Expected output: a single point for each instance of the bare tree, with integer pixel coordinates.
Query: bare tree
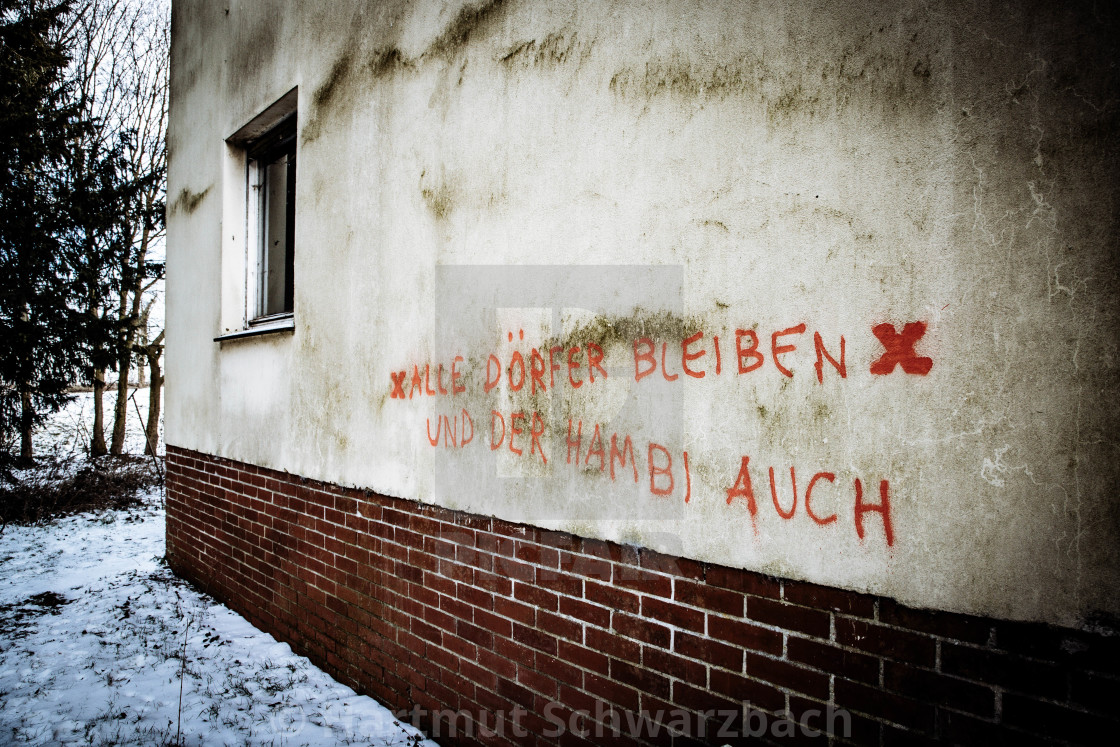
(120, 58)
(145, 89)
(98, 37)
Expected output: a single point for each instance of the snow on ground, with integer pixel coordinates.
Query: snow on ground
(67, 433)
(93, 629)
(98, 638)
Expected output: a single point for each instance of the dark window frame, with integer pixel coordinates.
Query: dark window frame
(279, 142)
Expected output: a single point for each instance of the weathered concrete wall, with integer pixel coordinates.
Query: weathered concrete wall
(744, 167)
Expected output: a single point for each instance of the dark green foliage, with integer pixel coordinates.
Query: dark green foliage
(37, 124)
(96, 190)
(60, 193)
(100, 250)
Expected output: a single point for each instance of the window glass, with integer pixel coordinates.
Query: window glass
(273, 162)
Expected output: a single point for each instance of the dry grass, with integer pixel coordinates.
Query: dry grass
(61, 487)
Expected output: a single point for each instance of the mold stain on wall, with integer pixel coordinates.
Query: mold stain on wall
(607, 331)
(438, 200)
(467, 21)
(188, 201)
(867, 74)
(554, 50)
(347, 74)
(329, 88)
(254, 47)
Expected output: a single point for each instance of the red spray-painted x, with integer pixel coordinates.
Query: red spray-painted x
(398, 384)
(900, 349)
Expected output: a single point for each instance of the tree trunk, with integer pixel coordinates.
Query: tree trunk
(154, 390)
(124, 365)
(144, 333)
(132, 290)
(120, 408)
(123, 357)
(27, 417)
(97, 441)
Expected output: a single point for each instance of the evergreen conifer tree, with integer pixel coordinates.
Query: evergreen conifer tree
(42, 333)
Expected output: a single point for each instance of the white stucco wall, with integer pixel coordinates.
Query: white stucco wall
(739, 166)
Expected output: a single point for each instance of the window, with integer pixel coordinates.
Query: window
(272, 211)
(259, 224)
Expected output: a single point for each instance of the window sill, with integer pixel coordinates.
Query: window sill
(269, 326)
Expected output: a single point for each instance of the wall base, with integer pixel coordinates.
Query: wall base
(488, 632)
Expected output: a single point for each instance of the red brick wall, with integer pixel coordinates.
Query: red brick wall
(421, 606)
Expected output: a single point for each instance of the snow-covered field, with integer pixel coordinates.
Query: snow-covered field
(67, 433)
(98, 640)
